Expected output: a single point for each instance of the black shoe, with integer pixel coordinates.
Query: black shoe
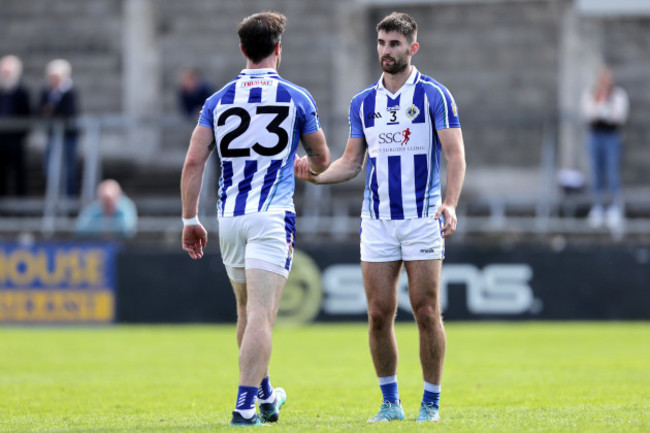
(270, 412)
(238, 420)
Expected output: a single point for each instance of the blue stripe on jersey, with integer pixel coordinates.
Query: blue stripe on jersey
(269, 180)
(244, 187)
(283, 94)
(369, 109)
(255, 95)
(420, 165)
(290, 229)
(435, 164)
(373, 186)
(418, 101)
(395, 187)
(391, 103)
(227, 182)
(229, 95)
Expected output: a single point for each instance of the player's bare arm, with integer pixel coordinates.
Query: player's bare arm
(451, 140)
(345, 168)
(195, 237)
(318, 154)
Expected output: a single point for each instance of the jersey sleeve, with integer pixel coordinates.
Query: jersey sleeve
(308, 114)
(444, 110)
(356, 126)
(206, 118)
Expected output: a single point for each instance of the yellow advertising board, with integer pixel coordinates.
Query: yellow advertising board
(57, 283)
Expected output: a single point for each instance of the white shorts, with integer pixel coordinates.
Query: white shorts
(410, 239)
(262, 240)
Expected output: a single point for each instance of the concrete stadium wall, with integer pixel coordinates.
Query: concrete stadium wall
(501, 59)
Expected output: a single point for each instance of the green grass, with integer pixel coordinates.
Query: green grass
(499, 377)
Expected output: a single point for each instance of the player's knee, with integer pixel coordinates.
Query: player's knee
(261, 316)
(427, 314)
(380, 317)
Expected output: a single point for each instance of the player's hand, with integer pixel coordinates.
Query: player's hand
(302, 170)
(195, 238)
(449, 214)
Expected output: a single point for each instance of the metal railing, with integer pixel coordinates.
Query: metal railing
(329, 216)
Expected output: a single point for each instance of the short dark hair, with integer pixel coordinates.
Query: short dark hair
(399, 22)
(260, 33)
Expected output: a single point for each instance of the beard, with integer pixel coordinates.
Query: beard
(398, 65)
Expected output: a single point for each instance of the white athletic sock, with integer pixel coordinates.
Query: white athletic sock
(387, 379)
(246, 413)
(431, 387)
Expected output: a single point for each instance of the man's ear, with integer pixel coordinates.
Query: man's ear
(278, 48)
(415, 47)
(242, 50)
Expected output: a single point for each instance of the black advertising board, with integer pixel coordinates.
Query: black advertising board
(478, 283)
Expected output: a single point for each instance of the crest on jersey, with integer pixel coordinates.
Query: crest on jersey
(412, 112)
(454, 108)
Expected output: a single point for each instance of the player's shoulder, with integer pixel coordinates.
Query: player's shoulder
(431, 82)
(216, 96)
(434, 88)
(365, 93)
(298, 93)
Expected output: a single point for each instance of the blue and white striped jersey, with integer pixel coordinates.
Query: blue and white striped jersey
(403, 167)
(257, 121)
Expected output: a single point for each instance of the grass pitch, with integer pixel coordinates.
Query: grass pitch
(499, 377)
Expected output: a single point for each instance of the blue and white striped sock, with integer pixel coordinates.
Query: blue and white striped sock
(389, 390)
(431, 394)
(266, 393)
(246, 401)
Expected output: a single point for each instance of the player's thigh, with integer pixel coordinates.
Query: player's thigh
(270, 242)
(264, 290)
(378, 241)
(424, 283)
(380, 283)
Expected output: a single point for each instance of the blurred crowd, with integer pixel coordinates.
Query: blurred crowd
(57, 100)
(604, 107)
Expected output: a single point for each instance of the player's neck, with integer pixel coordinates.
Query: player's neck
(270, 62)
(394, 82)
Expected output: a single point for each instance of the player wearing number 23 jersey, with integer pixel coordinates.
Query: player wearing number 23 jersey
(258, 119)
(255, 122)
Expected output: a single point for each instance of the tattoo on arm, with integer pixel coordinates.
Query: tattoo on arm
(310, 152)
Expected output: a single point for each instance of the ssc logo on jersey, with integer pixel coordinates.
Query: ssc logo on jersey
(402, 137)
(412, 112)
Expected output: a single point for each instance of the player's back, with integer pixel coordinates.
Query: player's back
(257, 121)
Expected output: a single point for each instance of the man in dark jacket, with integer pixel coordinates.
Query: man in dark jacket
(59, 101)
(14, 103)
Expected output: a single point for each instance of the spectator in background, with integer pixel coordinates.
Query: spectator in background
(193, 90)
(14, 103)
(112, 214)
(605, 108)
(60, 101)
